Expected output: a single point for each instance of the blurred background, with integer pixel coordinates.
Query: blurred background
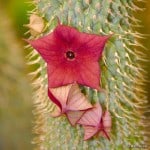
(16, 118)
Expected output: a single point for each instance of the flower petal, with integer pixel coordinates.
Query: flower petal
(74, 116)
(56, 112)
(54, 100)
(104, 134)
(92, 117)
(59, 76)
(91, 45)
(77, 100)
(61, 94)
(49, 48)
(89, 75)
(107, 123)
(42, 45)
(106, 119)
(89, 132)
(66, 34)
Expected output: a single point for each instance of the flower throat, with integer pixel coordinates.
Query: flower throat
(70, 55)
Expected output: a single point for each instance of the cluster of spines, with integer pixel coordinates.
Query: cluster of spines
(122, 75)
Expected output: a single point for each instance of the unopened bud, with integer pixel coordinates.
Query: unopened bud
(36, 24)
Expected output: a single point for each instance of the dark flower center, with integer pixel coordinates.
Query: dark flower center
(70, 54)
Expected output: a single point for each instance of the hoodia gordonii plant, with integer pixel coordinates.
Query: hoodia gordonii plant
(122, 76)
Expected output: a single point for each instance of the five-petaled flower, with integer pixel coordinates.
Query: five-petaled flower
(71, 56)
(69, 101)
(94, 122)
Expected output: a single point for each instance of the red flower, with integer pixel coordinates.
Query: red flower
(71, 56)
(94, 122)
(70, 101)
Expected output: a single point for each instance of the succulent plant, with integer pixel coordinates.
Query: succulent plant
(122, 75)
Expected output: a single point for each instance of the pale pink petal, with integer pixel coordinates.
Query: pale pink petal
(56, 112)
(61, 94)
(89, 132)
(77, 100)
(107, 123)
(89, 74)
(92, 116)
(106, 119)
(104, 134)
(54, 99)
(74, 116)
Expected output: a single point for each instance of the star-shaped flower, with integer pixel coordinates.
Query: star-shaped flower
(71, 56)
(94, 122)
(69, 101)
